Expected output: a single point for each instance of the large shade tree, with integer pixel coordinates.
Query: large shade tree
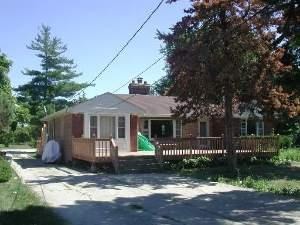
(220, 59)
(6, 98)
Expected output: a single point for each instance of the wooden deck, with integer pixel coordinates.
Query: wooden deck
(212, 147)
(106, 151)
(95, 151)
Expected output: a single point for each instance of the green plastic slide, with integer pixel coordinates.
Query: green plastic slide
(144, 144)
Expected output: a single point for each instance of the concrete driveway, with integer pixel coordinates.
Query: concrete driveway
(88, 199)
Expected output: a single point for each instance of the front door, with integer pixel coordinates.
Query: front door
(161, 128)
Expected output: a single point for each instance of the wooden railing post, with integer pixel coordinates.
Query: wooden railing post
(114, 155)
(158, 152)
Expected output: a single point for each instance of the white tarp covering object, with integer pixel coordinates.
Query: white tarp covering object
(51, 152)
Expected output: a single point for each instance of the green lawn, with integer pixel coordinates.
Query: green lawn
(279, 175)
(283, 180)
(19, 205)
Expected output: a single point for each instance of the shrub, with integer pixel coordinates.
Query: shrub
(22, 135)
(200, 162)
(5, 170)
(6, 138)
(290, 155)
(285, 141)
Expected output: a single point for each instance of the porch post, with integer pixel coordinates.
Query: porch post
(149, 128)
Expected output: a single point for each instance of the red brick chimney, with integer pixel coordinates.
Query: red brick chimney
(139, 88)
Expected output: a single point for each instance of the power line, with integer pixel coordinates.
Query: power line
(121, 50)
(138, 75)
(131, 96)
(251, 17)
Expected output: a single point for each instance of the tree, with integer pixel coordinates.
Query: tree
(6, 98)
(53, 84)
(288, 37)
(162, 86)
(220, 59)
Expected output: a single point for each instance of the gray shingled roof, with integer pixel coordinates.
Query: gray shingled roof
(146, 105)
(150, 104)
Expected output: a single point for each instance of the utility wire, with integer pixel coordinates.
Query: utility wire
(138, 75)
(251, 17)
(121, 50)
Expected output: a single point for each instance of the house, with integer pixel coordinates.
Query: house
(121, 116)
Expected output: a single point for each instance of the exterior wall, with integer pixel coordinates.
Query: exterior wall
(190, 129)
(62, 127)
(123, 143)
(218, 127)
(133, 132)
(68, 137)
(269, 126)
(77, 125)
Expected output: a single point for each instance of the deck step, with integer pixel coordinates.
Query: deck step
(138, 164)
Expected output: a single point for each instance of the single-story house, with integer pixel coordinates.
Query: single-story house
(122, 116)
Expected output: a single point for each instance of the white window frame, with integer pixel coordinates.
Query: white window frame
(87, 124)
(180, 135)
(243, 129)
(97, 125)
(118, 127)
(257, 128)
(207, 126)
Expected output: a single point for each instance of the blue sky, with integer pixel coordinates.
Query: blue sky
(94, 30)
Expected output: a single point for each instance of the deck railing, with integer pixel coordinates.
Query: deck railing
(178, 148)
(95, 150)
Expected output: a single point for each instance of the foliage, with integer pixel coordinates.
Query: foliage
(5, 170)
(285, 141)
(19, 205)
(52, 84)
(162, 86)
(6, 138)
(291, 154)
(221, 58)
(22, 135)
(278, 178)
(6, 98)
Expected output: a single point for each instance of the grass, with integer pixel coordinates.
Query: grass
(290, 154)
(5, 171)
(19, 205)
(276, 175)
(15, 146)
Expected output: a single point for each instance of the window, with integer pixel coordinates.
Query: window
(121, 127)
(93, 127)
(252, 127)
(260, 128)
(243, 127)
(203, 129)
(178, 128)
(107, 127)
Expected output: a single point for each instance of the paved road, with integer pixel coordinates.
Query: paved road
(149, 199)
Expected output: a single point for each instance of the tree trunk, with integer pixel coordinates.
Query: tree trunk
(231, 152)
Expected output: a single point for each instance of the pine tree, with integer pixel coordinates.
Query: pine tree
(53, 83)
